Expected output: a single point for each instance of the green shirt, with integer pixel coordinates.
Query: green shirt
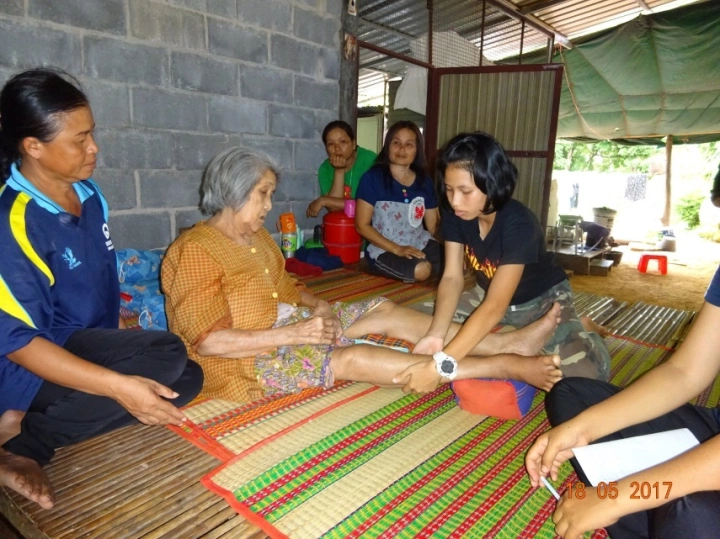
(363, 161)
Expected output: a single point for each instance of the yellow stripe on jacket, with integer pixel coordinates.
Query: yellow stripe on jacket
(10, 305)
(17, 226)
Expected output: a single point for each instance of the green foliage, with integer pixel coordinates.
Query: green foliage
(689, 209)
(711, 154)
(602, 156)
(710, 151)
(712, 234)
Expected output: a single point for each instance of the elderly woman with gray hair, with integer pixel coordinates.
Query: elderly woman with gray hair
(257, 331)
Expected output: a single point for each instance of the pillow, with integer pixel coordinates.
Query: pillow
(135, 266)
(146, 299)
(504, 399)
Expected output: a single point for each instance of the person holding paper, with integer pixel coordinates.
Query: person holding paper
(583, 411)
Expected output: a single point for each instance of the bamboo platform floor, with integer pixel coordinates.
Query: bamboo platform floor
(640, 321)
(143, 482)
(135, 483)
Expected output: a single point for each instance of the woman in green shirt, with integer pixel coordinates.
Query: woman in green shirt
(340, 173)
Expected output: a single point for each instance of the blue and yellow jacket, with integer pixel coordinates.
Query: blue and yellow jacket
(58, 274)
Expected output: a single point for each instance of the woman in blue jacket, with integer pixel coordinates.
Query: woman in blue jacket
(68, 371)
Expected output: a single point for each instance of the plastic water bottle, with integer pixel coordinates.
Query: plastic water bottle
(289, 236)
(288, 244)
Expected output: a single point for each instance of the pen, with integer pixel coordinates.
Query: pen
(550, 487)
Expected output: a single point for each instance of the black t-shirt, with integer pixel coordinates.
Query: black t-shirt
(515, 238)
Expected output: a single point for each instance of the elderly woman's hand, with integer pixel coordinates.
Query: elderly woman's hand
(323, 309)
(315, 330)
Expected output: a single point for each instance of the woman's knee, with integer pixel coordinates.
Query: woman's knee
(381, 313)
(423, 271)
(342, 363)
(166, 357)
(694, 515)
(583, 354)
(571, 396)
(189, 384)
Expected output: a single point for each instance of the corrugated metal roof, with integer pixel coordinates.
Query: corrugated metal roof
(575, 18)
(394, 24)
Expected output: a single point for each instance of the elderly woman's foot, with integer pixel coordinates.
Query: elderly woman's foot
(529, 340)
(10, 425)
(27, 478)
(542, 372)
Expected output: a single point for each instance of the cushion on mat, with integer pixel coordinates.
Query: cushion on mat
(505, 399)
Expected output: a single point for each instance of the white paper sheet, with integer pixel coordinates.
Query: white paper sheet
(610, 461)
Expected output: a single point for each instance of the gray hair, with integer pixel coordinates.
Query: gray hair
(230, 177)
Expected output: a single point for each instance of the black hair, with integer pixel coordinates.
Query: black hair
(338, 124)
(418, 166)
(30, 104)
(485, 159)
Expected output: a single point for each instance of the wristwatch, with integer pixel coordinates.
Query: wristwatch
(446, 365)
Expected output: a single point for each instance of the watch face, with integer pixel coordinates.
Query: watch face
(447, 367)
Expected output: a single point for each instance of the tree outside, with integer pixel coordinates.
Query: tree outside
(603, 171)
(602, 156)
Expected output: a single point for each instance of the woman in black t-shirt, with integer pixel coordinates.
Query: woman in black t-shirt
(518, 280)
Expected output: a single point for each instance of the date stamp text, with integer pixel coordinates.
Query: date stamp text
(640, 491)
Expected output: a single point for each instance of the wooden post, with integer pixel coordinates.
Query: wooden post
(348, 70)
(668, 180)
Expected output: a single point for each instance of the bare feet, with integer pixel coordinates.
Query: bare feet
(590, 325)
(10, 425)
(26, 477)
(529, 340)
(542, 372)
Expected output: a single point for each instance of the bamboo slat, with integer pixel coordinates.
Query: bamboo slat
(136, 483)
(651, 324)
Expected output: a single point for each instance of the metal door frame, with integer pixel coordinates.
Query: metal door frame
(432, 117)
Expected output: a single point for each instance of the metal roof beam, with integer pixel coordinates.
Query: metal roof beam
(387, 29)
(531, 21)
(532, 7)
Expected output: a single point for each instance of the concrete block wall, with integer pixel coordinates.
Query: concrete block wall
(173, 82)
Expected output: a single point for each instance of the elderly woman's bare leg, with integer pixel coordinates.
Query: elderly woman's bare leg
(378, 365)
(404, 323)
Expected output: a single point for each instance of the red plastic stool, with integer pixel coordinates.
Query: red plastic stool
(661, 259)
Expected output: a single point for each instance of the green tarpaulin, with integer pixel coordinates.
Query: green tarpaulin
(654, 76)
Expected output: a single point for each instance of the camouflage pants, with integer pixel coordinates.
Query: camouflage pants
(582, 353)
